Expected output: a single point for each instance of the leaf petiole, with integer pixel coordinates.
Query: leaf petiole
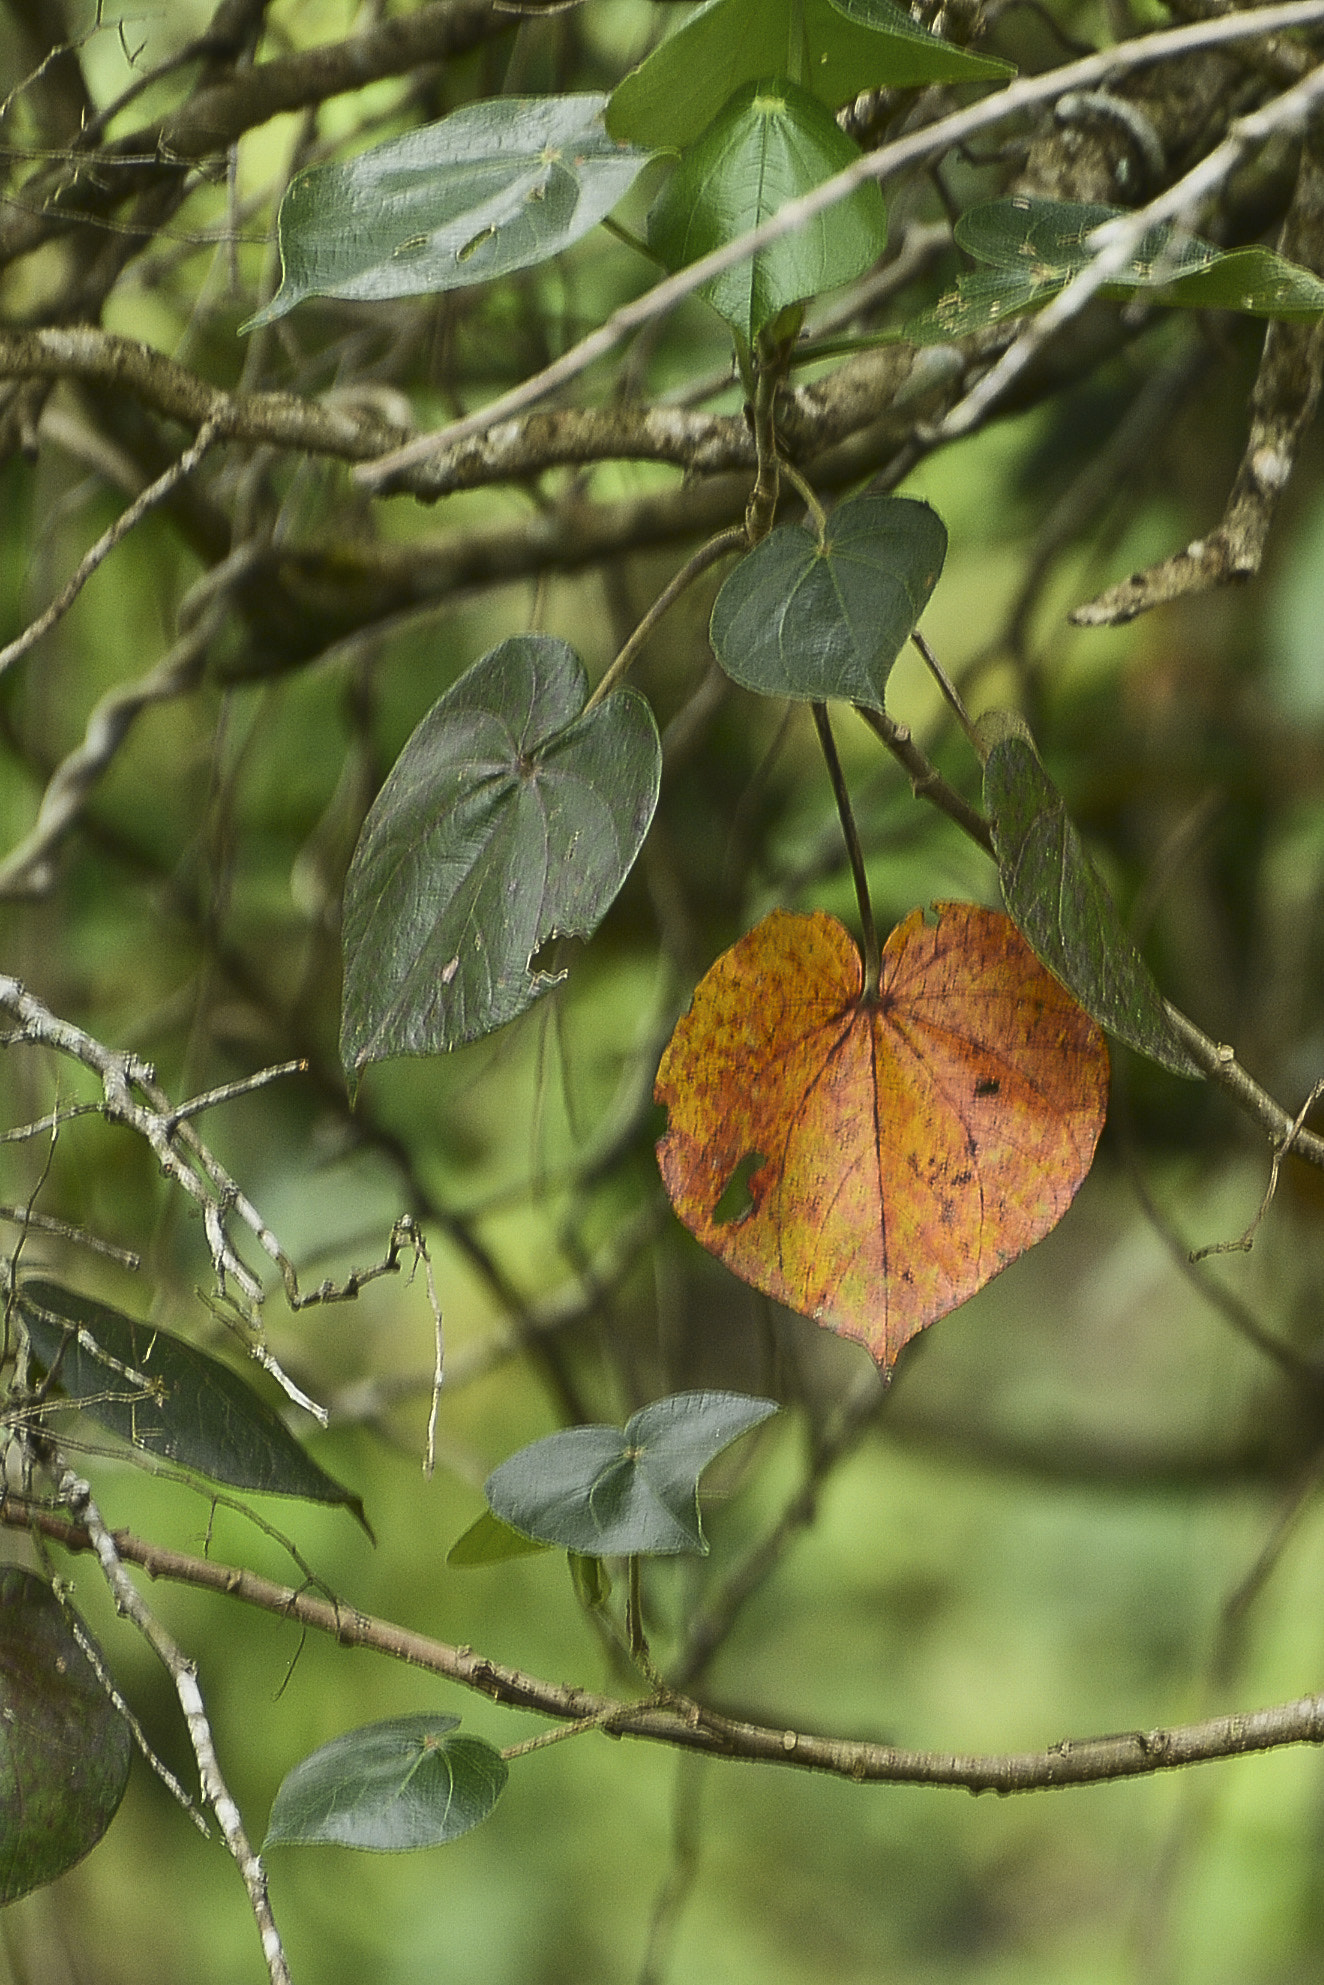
(951, 693)
(732, 539)
(868, 929)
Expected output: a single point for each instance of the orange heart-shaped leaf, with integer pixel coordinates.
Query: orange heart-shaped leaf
(895, 1153)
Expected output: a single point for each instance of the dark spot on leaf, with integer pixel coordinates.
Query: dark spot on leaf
(987, 1085)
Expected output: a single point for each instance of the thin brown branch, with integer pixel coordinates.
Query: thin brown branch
(123, 366)
(689, 1725)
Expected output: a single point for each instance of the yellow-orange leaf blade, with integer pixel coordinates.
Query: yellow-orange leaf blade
(907, 1149)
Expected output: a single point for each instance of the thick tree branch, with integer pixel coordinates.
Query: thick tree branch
(690, 1725)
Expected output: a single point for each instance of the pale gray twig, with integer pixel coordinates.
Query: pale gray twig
(76, 1495)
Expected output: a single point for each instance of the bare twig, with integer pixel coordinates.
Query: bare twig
(688, 1725)
(1118, 241)
(77, 1496)
(1244, 1243)
(155, 493)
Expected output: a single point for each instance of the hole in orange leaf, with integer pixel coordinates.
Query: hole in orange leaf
(737, 1201)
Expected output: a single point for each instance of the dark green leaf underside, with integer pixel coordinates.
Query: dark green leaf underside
(169, 1399)
(809, 620)
(492, 188)
(64, 1747)
(406, 1783)
(512, 816)
(1063, 909)
(604, 1493)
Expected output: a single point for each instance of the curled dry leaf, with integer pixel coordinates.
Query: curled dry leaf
(895, 1154)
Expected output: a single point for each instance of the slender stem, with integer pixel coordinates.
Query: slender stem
(805, 490)
(77, 1496)
(868, 929)
(732, 539)
(634, 1612)
(762, 505)
(945, 684)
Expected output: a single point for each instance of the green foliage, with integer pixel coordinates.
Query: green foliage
(64, 1747)
(1060, 903)
(513, 815)
(405, 1783)
(815, 617)
(835, 47)
(493, 188)
(1034, 248)
(771, 142)
(168, 1399)
(603, 1494)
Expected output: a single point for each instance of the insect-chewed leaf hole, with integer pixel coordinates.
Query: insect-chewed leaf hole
(737, 1201)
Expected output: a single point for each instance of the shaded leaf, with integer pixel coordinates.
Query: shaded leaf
(604, 1493)
(815, 620)
(512, 816)
(489, 1541)
(1061, 904)
(1034, 248)
(494, 187)
(915, 1145)
(848, 46)
(169, 1399)
(64, 1747)
(772, 142)
(404, 1783)
(981, 297)
(1254, 280)
(591, 1580)
(1047, 241)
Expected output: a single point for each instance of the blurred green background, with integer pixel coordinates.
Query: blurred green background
(1086, 1504)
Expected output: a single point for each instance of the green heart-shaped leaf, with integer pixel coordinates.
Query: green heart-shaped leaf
(404, 1783)
(169, 1399)
(512, 815)
(604, 1493)
(1059, 902)
(848, 46)
(494, 187)
(64, 1747)
(772, 142)
(816, 620)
